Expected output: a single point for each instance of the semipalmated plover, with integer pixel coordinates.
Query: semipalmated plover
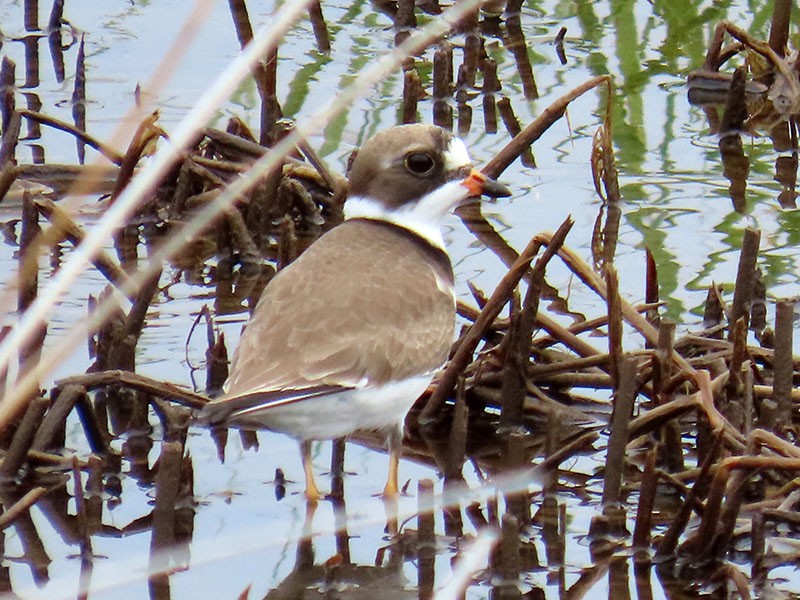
(350, 334)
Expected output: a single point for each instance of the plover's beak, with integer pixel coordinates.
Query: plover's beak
(479, 184)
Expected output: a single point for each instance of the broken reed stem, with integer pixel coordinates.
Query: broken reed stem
(143, 140)
(657, 417)
(472, 48)
(287, 244)
(468, 343)
(784, 364)
(264, 73)
(23, 438)
(537, 127)
(168, 478)
(575, 365)
(757, 546)
(21, 506)
(319, 26)
(79, 98)
(426, 539)
(620, 419)
(216, 361)
(490, 86)
(122, 353)
(517, 358)
(669, 542)
(614, 324)
(583, 327)
(8, 143)
(73, 232)
(56, 16)
(338, 447)
(7, 100)
(507, 552)
(735, 490)
(514, 128)
(28, 253)
(8, 174)
(96, 431)
(779, 29)
(705, 536)
(457, 438)
(85, 137)
(745, 277)
(471, 313)
(443, 70)
(647, 497)
(160, 389)
(405, 17)
(651, 294)
(30, 246)
(515, 43)
(336, 184)
(518, 348)
(776, 444)
(483, 230)
(731, 406)
(629, 313)
(735, 111)
(271, 111)
(51, 431)
(558, 43)
(412, 92)
(247, 248)
(748, 405)
(662, 365)
(80, 510)
(662, 374)
(714, 310)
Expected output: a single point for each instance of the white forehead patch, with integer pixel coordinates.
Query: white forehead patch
(456, 155)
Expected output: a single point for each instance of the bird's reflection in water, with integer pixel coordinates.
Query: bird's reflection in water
(337, 576)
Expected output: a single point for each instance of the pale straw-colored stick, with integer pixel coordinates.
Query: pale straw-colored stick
(130, 199)
(149, 177)
(473, 559)
(200, 11)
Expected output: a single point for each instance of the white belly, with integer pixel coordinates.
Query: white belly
(340, 414)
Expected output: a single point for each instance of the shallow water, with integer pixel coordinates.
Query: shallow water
(676, 202)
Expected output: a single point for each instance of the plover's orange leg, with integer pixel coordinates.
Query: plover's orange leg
(390, 509)
(312, 491)
(392, 490)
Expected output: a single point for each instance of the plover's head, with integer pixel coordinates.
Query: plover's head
(413, 175)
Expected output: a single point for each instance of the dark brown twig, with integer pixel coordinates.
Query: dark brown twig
(469, 342)
(518, 342)
(160, 389)
(535, 129)
(104, 149)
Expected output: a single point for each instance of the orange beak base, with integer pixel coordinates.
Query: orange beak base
(479, 184)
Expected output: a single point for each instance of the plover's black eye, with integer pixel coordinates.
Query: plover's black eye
(420, 163)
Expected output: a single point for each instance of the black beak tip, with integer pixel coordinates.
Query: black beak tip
(495, 189)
